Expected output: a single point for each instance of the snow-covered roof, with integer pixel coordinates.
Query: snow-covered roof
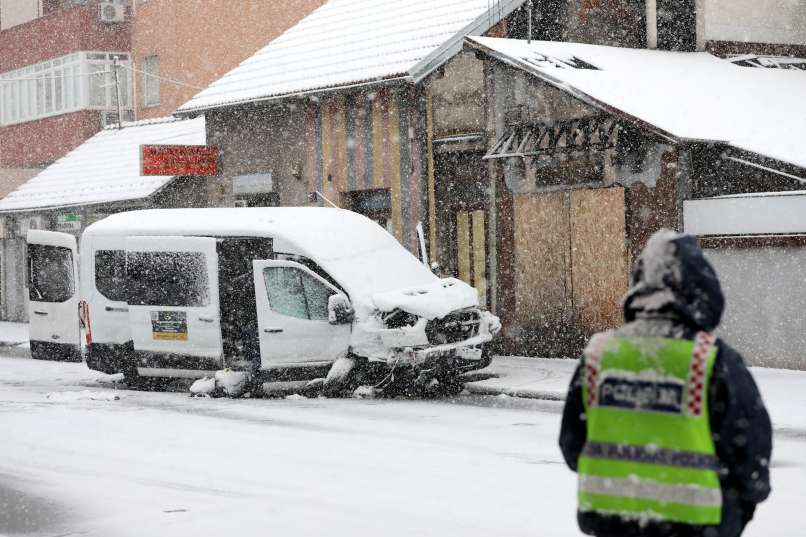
(356, 251)
(352, 42)
(686, 95)
(105, 168)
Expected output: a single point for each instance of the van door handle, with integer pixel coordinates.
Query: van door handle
(206, 319)
(40, 312)
(272, 330)
(110, 308)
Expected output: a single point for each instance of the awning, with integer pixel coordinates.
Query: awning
(596, 133)
(684, 96)
(105, 168)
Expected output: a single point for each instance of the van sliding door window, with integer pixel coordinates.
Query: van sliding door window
(110, 274)
(50, 273)
(295, 293)
(167, 279)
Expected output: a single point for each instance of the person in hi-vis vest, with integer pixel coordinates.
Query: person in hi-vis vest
(663, 422)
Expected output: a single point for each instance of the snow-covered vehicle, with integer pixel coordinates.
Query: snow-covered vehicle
(287, 293)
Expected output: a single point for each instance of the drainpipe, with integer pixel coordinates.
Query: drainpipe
(530, 7)
(651, 24)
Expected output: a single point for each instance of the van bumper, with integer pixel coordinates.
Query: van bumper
(466, 355)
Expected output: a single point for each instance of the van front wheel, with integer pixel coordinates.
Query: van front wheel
(340, 377)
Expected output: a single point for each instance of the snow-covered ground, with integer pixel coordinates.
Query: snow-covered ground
(80, 456)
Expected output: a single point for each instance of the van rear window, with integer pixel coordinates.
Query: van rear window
(110, 274)
(50, 273)
(167, 279)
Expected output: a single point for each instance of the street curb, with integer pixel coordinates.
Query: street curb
(522, 394)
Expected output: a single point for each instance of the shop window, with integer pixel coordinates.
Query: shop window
(151, 82)
(374, 204)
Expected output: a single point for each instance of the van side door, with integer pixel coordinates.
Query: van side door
(292, 311)
(172, 293)
(52, 280)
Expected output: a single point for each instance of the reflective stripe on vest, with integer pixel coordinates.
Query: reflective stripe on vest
(649, 451)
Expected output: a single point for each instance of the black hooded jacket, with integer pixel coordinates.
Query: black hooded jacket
(675, 293)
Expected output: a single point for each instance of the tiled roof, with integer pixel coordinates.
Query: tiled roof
(105, 168)
(685, 95)
(351, 42)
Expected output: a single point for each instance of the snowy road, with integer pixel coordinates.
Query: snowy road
(166, 464)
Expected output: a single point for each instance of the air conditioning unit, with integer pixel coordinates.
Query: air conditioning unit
(110, 119)
(111, 11)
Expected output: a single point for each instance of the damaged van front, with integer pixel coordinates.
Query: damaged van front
(438, 326)
(408, 325)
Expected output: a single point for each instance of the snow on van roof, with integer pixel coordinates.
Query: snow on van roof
(354, 250)
(689, 95)
(105, 168)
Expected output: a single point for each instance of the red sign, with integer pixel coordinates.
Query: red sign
(199, 160)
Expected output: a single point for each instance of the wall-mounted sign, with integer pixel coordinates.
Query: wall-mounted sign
(68, 223)
(198, 160)
(253, 183)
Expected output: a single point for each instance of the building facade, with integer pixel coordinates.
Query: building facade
(57, 83)
(189, 45)
(57, 95)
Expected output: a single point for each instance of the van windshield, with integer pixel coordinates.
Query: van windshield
(167, 279)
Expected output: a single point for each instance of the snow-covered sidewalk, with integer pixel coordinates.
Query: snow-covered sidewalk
(546, 378)
(542, 378)
(13, 334)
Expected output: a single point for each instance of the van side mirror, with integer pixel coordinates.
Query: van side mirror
(339, 310)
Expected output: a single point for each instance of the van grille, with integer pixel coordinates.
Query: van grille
(453, 328)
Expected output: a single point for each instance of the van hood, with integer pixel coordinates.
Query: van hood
(430, 301)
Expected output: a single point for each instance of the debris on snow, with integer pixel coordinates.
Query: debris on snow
(365, 392)
(233, 383)
(85, 395)
(295, 397)
(203, 387)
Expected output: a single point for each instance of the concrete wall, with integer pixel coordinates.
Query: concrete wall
(198, 42)
(259, 139)
(754, 21)
(764, 317)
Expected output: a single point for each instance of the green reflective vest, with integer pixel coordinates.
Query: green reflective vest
(649, 453)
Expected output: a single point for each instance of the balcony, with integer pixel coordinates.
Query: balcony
(58, 34)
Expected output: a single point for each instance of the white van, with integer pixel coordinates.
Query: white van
(279, 292)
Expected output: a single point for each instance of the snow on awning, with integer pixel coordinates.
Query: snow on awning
(354, 42)
(105, 168)
(692, 96)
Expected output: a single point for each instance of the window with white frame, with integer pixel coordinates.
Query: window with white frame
(151, 81)
(79, 81)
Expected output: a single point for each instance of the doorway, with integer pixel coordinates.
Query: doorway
(462, 204)
(239, 336)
